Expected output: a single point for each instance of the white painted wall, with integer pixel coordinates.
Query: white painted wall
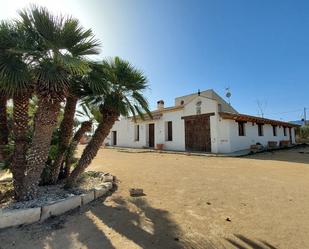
(224, 132)
(125, 127)
(251, 137)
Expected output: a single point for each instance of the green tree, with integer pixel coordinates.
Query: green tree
(63, 43)
(125, 97)
(4, 130)
(304, 132)
(84, 127)
(91, 83)
(15, 83)
(92, 113)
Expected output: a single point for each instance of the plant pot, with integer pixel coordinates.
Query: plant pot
(159, 146)
(284, 143)
(272, 144)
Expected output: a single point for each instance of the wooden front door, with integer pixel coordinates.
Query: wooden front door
(197, 133)
(114, 137)
(151, 135)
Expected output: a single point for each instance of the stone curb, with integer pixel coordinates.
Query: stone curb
(60, 207)
(18, 217)
(88, 197)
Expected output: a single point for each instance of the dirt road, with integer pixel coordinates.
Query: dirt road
(259, 201)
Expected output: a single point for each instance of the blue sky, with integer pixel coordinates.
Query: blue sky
(260, 49)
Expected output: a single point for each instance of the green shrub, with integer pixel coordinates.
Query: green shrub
(304, 132)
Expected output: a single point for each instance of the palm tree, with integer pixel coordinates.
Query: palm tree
(63, 44)
(85, 127)
(4, 130)
(89, 84)
(15, 82)
(92, 113)
(124, 98)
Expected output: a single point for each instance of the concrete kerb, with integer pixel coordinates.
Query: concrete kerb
(18, 217)
(60, 207)
(10, 218)
(88, 197)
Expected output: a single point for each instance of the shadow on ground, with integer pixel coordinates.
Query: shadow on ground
(115, 222)
(112, 223)
(242, 242)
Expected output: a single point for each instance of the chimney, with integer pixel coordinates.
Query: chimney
(160, 105)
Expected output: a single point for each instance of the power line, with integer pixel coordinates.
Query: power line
(274, 113)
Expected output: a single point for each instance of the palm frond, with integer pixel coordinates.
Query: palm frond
(75, 66)
(14, 75)
(14, 72)
(51, 78)
(60, 46)
(125, 86)
(77, 40)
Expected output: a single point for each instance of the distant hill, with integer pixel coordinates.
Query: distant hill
(299, 122)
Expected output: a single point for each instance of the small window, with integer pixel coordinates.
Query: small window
(136, 133)
(284, 131)
(261, 129)
(241, 128)
(169, 131)
(275, 130)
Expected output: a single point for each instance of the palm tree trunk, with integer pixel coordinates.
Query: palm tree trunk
(44, 123)
(85, 127)
(20, 133)
(108, 119)
(4, 130)
(66, 130)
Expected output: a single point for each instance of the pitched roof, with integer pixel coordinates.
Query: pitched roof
(156, 114)
(209, 94)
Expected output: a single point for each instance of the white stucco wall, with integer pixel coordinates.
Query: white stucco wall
(125, 127)
(234, 142)
(224, 132)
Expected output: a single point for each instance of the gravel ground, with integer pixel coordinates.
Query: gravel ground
(259, 201)
(49, 194)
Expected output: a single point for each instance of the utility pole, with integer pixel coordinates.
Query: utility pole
(305, 116)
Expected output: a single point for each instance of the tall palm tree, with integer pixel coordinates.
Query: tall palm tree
(85, 127)
(124, 98)
(92, 113)
(4, 130)
(63, 45)
(15, 82)
(81, 86)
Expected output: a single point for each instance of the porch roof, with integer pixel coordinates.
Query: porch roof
(254, 119)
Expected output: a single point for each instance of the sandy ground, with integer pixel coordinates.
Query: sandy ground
(188, 200)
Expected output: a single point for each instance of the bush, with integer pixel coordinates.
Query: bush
(304, 132)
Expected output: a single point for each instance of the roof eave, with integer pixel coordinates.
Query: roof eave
(248, 118)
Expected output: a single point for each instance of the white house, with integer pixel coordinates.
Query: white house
(201, 122)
